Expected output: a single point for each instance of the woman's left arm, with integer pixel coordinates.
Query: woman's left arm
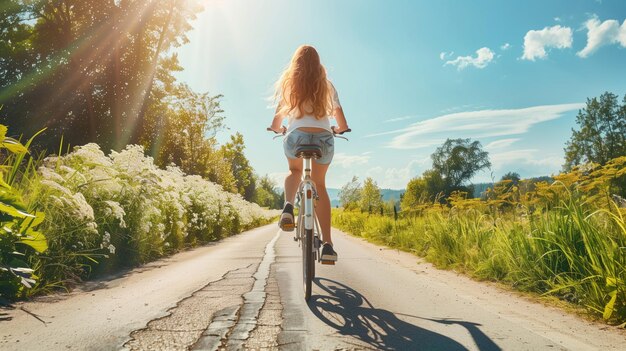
(277, 122)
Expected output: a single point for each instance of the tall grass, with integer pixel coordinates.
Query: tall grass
(573, 251)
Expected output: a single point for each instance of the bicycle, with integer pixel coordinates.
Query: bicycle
(307, 225)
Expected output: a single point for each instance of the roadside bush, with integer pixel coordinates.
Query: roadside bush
(102, 213)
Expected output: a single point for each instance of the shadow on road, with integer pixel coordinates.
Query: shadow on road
(350, 313)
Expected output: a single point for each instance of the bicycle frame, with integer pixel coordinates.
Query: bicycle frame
(307, 219)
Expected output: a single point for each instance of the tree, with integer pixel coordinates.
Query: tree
(602, 132)
(435, 185)
(458, 160)
(232, 152)
(370, 196)
(266, 194)
(88, 70)
(350, 194)
(185, 131)
(514, 177)
(415, 193)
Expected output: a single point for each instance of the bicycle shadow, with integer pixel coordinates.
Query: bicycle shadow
(350, 313)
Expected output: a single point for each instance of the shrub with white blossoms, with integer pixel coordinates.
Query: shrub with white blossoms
(124, 207)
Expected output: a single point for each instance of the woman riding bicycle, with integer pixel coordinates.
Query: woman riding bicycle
(307, 99)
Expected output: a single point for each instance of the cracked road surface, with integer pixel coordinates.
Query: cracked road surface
(245, 292)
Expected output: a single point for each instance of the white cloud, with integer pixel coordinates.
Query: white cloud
(536, 41)
(527, 156)
(398, 119)
(349, 161)
(500, 144)
(505, 46)
(557, 19)
(483, 57)
(443, 55)
(602, 33)
(475, 124)
(397, 178)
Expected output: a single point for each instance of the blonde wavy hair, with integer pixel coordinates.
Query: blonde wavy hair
(303, 87)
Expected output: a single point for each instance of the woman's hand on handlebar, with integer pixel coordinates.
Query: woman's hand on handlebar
(282, 130)
(338, 131)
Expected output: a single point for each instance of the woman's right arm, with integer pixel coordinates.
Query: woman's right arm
(342, 124)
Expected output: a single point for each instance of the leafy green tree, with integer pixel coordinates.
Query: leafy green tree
(266, 193)
(514, 177)
(457, 161)
(601, 134)
(350, 194)
(509, 180)
(415, 193)
(436, 186)
(371, 199)
(233, 154)
(88, 70)
(221, 171)
(190, 125)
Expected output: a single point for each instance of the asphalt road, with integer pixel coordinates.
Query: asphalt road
(245, 292)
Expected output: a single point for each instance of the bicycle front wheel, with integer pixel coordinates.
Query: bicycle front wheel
(308, 263)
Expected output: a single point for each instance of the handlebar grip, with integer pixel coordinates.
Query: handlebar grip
(269, 129)
(345, 131)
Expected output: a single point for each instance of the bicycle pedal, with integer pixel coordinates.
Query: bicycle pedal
(287, 227)
(331, 263)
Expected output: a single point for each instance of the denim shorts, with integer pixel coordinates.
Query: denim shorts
(324, 139)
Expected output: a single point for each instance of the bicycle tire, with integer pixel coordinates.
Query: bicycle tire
(308, 264)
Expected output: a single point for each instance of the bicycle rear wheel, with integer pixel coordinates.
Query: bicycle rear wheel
(308, 263)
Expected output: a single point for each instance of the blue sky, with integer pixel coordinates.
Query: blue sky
(411, 73)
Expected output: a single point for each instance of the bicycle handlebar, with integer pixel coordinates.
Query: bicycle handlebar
(345, 131)
(269, 129)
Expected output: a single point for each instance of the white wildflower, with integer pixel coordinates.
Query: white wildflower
(116, 211)
(56, 186)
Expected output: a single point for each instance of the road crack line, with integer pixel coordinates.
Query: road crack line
(185, 323)
(243, 321)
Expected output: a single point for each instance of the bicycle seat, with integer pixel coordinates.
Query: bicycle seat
(309, 151)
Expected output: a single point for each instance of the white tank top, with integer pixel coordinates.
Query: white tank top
(310, 121)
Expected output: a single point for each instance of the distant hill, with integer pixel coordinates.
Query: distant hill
(391, 194)
(333, 194)
(394, 194)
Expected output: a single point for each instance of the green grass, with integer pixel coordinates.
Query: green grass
(571, 252)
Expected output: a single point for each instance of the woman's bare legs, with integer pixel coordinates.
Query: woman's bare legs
(322, 208)
(292, 181)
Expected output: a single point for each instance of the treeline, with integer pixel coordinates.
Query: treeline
(103, 72)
